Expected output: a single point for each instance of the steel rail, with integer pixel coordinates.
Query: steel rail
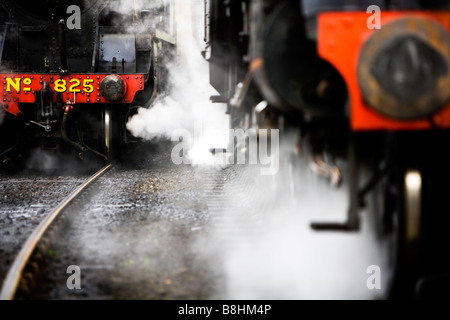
(14, 275)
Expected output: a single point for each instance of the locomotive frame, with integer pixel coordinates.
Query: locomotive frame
(325, 82)
(72, 72)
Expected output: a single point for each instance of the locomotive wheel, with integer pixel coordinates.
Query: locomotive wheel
(423, 272)
(112, 133)
(107, 132)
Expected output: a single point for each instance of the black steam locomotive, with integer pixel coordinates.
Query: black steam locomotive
(360, 91)
(72, 72)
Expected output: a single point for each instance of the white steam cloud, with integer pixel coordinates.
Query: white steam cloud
(286, 260)
(268, 251)
(188, 105)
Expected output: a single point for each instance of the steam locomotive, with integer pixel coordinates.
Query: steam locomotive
(73, 71)
(360, 91)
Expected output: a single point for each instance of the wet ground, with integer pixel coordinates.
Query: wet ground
(25, 198)
(154, 230)
(135, 237)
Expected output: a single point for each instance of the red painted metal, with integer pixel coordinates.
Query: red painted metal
(340, 38)
(79, 88)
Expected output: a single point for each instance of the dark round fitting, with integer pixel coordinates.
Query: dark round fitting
(112, 88)
(404, 69)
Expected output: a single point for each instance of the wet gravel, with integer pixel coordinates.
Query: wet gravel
(137, 235)
(25, 199)
(152, 230)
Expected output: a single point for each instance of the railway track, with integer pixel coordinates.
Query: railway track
(158, 231)
(14, 277)
(136, 234)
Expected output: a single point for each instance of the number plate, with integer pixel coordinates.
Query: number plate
(73, 88)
